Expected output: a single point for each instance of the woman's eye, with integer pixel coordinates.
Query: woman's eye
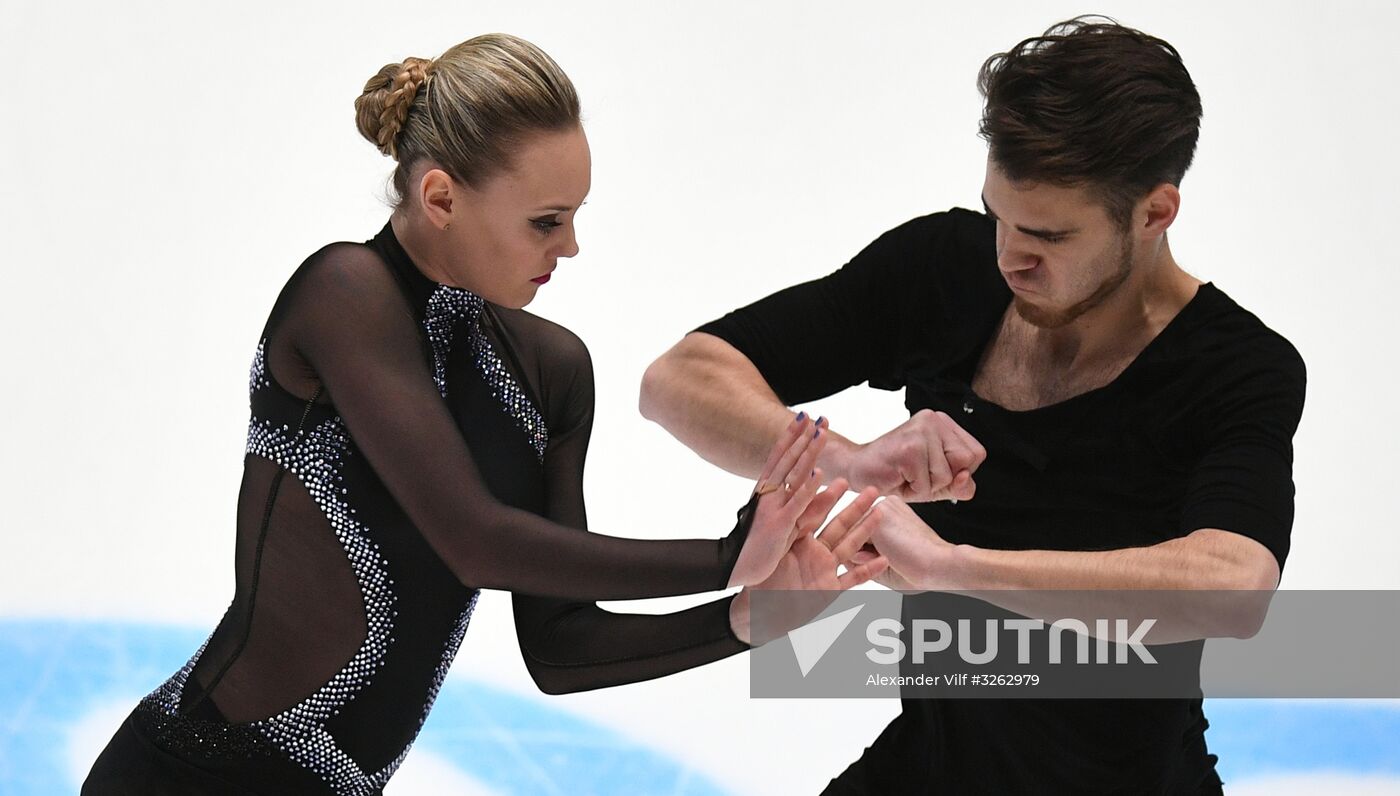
(1054, 238)
(544, 224)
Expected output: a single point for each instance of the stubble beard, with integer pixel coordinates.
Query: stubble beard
(1049, 318)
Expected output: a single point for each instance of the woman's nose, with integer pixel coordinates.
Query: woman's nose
(571, 245)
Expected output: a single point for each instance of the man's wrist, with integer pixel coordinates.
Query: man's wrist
(947, 567)
(955, 568)
(835, 460)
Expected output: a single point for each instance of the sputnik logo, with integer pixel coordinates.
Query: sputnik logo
(812, 641)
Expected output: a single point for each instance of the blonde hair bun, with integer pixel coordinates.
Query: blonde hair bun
(382, 108)
(467, 110)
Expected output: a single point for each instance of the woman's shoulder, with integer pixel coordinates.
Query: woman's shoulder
(552, 344)
(345, 263)
(339, 277)
(345, 279)
(553, 360)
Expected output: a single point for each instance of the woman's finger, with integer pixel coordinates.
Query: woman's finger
(848, 518)
(790, 435)
(803, 494)
(812, 517)
(801, 468)
(790, 456)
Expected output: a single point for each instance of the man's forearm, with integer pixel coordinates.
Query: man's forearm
(1206, 559)
(712, 398)
(1206, 585)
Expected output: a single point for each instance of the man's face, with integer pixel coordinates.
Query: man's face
(1057, 248)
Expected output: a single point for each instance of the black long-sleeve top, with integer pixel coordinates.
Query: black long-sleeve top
(409, 445)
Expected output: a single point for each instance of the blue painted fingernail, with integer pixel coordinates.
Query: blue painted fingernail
(801, 416)
(820, 419)
(818, 434)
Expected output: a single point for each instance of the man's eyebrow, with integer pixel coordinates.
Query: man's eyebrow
(1034, 233)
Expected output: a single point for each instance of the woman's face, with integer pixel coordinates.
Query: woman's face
(506, 236)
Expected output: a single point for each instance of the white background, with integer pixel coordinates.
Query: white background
(165, 166)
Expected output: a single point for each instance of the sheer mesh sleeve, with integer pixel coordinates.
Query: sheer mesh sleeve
(570, 645)
(347, 320)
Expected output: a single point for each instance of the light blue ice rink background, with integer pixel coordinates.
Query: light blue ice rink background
(65, 685)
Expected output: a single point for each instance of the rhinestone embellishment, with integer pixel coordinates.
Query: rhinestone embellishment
(449, 652)
(315, 459)
(448, 306)
(257, 374)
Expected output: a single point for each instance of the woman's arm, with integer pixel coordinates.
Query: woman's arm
(575, 646)
(351, 324)
(571, 645)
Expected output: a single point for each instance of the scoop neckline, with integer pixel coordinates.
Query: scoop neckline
(1150, 351)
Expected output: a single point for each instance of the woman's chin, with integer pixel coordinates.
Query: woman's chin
(517, 301)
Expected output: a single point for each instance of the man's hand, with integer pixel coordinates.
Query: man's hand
(919, 559)
(929, 457)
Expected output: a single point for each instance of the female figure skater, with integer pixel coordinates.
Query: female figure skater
(416, 437)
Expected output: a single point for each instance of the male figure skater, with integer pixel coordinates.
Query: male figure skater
(1085, 414)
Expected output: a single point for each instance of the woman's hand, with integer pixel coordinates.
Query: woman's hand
(810, 565)
(786, 490)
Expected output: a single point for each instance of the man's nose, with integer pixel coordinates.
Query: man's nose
(1011, 256)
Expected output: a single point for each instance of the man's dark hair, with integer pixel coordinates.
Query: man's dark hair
(1091, 103)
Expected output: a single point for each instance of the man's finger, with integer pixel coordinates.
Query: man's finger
(939, 475)
(963, 487)
(963, 451)
(861, 573)
(864, 555)
(857, 536)
(911, 462)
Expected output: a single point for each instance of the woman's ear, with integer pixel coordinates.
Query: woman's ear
(436, 194)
